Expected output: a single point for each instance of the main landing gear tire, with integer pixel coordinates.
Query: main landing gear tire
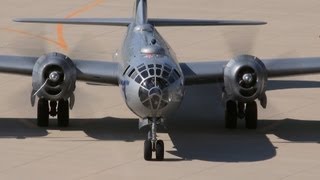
(251, 115)
(43, 113)
(63, 113)
(147, 150)
(231, 115)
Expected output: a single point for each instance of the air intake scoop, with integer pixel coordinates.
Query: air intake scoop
(152, 50)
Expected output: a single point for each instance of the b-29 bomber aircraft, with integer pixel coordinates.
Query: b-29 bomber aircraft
(150, 78)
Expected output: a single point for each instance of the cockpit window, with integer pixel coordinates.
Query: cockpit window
(153, 93)
(151, 72)
(144, 71)
(176, 73)
(158, 72)
(134, 75)
(125, 71)
(144, 74)
(131, 72)
(138, 79)
(167, 68)
(142, 68)
(156, 79)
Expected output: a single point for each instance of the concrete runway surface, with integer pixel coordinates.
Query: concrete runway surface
(103, 141)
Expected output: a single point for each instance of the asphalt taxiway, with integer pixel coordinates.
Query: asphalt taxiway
(103, 140)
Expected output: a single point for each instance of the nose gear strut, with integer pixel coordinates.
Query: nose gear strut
(152, 144)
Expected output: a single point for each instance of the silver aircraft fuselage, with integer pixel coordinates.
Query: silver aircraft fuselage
(151, 79)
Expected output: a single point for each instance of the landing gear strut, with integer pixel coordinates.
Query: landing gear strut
(235, 110)
(152, 144)
(46, 109)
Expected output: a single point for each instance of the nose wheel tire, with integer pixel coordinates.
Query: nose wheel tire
(147, 150)
(43, 113)
(231, 115)
(251, 115)
(152, 144)
(63, 113)
(159, 150)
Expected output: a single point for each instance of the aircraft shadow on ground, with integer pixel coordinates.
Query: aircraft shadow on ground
(204, 141)
(196, 130)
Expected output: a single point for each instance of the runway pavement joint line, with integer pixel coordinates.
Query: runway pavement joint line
(45, 157)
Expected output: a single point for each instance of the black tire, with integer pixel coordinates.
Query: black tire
(147, 150)
(241, 110)
(251, 115)
(43, 113)
(231, 115)
(63, 113)
(159, 150)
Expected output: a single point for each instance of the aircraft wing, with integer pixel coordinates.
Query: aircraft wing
(212, 72)
(87, 70)
(202, 22)
(97, 71)
(79, 21)
(127, 21)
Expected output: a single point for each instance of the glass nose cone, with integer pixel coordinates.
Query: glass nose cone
(153, 92)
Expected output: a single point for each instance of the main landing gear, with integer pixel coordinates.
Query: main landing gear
(152, 144)
(247, 111)
(48, 108)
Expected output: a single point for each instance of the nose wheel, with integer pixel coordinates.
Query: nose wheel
(152, 144)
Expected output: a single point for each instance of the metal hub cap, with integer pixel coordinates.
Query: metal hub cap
(247, 78)
(54, 76)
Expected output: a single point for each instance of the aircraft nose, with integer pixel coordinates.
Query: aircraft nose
(153, 93)
(157, 83)
(155, 96)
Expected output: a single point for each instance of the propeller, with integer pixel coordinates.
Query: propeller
(240, 40)
(32, 40)
(35, 42)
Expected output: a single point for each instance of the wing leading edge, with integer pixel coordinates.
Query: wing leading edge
(127, 21)
(212, 72)
(79, 21)
(87, 70)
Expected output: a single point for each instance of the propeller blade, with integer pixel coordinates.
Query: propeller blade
(32, 41)
(240, 40)
(41, 87)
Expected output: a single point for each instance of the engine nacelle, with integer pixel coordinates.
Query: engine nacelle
(245, 79)
(54, 77)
